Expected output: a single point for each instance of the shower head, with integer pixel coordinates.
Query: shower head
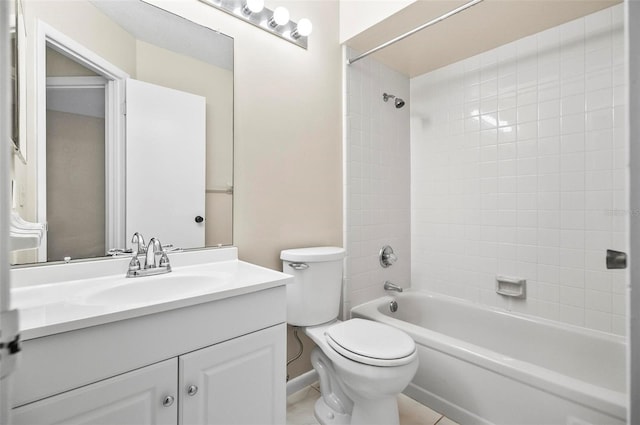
(398, 102)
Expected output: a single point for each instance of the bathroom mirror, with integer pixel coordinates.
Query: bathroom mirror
(13, 30)
(86, 57)
(17, 34)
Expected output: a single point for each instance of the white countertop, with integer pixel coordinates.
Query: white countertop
(54, 305)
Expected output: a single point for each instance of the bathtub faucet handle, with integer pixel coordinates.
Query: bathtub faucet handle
(388, 286)
(387, 257)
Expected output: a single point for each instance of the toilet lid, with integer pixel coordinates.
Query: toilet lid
(370, 342)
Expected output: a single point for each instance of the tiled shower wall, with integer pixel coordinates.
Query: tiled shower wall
(377, 180)
(519, 168)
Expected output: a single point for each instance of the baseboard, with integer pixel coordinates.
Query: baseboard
(299, 382)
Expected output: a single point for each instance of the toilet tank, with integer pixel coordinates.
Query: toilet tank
(313, 297)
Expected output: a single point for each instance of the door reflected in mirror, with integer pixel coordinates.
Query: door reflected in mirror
(92, 170)
(75, 159)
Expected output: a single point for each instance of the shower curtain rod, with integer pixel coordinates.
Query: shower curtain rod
(415, 30)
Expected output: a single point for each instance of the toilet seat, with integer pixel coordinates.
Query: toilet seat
(371, 343)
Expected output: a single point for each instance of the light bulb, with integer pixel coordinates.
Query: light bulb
(254, 6)
(303, 29)
(280, 16)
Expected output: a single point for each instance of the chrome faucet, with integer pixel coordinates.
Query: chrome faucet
(151, 266)
(388, 286)
(137, 243)
(139, 247)
(153, 248)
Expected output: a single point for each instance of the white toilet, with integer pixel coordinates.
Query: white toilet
(362, 365)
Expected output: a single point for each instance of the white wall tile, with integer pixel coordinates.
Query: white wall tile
(530, 179)
(377, 208)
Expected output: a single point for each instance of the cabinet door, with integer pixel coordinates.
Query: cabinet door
(240, 381)
(132, 398)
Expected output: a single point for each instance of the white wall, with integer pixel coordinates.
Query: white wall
(287, 133)
(519, 167)
(358, 15)
(377, 180)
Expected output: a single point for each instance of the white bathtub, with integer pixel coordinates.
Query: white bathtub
(485, 366)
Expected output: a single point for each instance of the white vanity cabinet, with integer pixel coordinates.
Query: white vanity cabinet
(132, 398)
(236, 382)
(221, 362)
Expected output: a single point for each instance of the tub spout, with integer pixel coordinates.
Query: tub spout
(388, 286)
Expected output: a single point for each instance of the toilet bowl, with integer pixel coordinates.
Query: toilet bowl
(362, 365)
(364, 379)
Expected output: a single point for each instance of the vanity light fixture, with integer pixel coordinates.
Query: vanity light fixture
(276, 22)
(303, 29)
(280, 17)
(253, 6)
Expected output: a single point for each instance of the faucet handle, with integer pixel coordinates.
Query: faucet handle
(164, 260)
(387, 257)
(134, 264)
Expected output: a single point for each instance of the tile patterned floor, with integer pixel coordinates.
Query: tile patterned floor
(300, 410)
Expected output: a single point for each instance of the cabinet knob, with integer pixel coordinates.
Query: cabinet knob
(199, 219)
(192, 390)
(168, 401)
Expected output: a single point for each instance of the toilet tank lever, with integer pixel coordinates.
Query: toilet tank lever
(299, 266)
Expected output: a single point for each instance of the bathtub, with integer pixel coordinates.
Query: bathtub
(484, 366)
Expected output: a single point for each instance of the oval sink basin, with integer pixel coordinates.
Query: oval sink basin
(154, 289)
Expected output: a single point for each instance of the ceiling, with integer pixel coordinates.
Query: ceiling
(482, 27)
(154, 25)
